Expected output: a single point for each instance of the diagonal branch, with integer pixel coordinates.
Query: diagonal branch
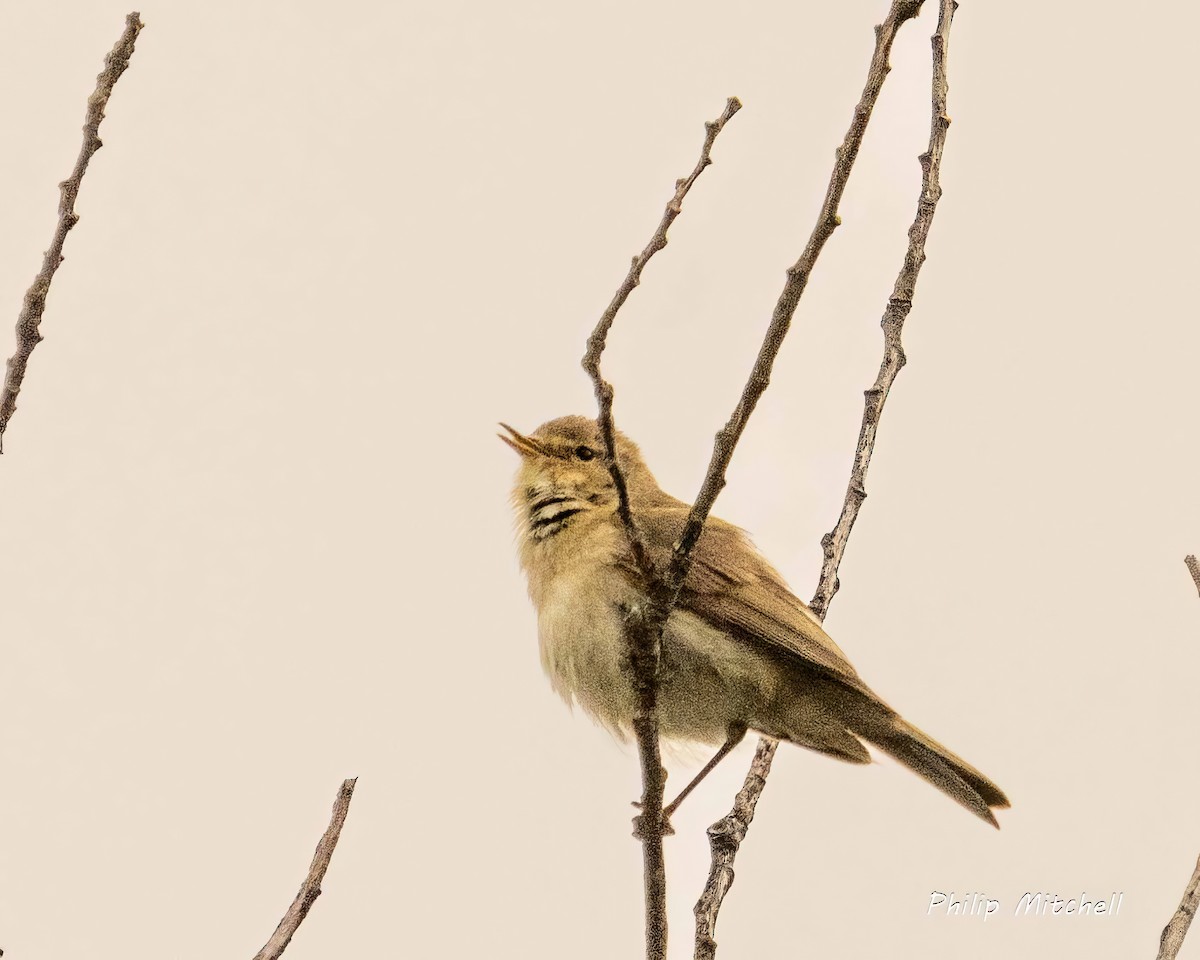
(310, 889)
(29, 322)
(793, 288)
(726, 835)
(1177, 927)
(899, 304)
(599, 338)
(724, 839)
(644, 627)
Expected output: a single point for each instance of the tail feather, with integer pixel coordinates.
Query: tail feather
(953, 777)
(880, 725)
(825, 714)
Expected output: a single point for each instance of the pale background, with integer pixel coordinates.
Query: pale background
(254, 520)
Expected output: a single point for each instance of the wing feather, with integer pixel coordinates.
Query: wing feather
(732, 586)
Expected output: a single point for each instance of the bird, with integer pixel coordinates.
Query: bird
(739, 652)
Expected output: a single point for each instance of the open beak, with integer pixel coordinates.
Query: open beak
(525, 446)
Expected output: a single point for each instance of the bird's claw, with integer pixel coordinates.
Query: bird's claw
(639, 824)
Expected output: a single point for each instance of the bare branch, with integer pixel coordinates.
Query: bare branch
(726, 835)
(644, 627)
(1174, 932)
(599, 338)
(29, 322)
(793, 288)
(1177, 927)
(724, 838)
(900, 303)
(310, 889)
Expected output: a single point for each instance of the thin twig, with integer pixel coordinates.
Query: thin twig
(599, 338)
(726, 835)
(724, 838)
(644, 627)
(793, 288)
(1177, 927)
(310, 889)
(29, 322)
(833, 544)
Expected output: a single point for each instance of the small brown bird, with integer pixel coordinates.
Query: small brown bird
(739, 651)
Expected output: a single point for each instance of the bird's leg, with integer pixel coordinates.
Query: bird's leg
(737, 733)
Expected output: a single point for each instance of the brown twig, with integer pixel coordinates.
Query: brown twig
(833, 544)
(1177, 927)
(644, 627)
(726, 835)
(1175, 930)
(793, 288)
(724, 838)
(29, 322)
(599, 338)
(310, 889)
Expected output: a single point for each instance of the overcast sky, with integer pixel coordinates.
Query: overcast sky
(254, 529)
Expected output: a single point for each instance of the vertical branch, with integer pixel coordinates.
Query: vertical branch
(30, 319)
(1177, 927)
(310, 889)
(726, 835)
(644, 627)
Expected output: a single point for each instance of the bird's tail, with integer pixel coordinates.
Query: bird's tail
(895, 736)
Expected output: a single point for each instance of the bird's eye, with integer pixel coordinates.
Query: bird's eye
(585, 453)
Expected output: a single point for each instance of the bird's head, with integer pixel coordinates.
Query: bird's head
(564, 472)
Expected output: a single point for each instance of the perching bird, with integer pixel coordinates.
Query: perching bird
(739, 651)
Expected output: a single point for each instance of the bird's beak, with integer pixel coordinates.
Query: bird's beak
(526, 446)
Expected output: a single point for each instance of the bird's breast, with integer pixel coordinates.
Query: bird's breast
(582, 605)
(584, 601)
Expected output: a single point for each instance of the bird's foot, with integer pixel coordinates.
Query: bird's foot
(640, 825)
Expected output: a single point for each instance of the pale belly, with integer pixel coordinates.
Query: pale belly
(708, 681)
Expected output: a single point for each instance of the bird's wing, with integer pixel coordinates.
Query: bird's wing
(732, 586)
